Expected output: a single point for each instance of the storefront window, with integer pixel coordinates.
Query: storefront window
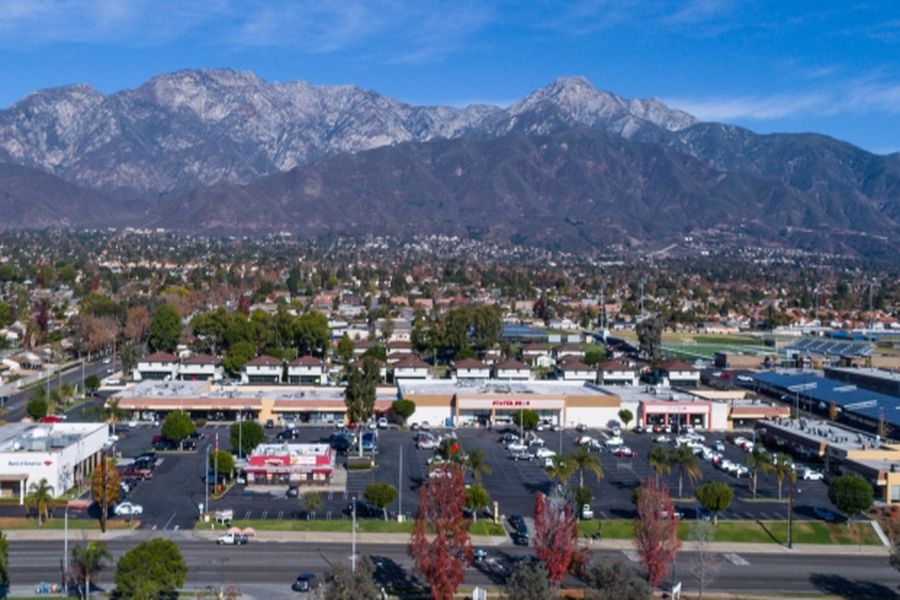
(895, 493)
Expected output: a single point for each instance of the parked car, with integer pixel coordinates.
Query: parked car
(128, 509)
(807, 474)
(517, 522)
(581, 427)
(623, 452)
(292, 492)
(521, 455)
(382, 423)
(425, 426)
(270, 424)
(615, 441)
(232, 539)
(545, 453)
(719, 446)
(825, 514)
(508, 438)
(662, 439)
(520, 539)
(305, 582)
(479, 554)
(516, 447)
(587, 512)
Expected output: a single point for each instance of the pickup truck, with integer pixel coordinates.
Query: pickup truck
(232, 539)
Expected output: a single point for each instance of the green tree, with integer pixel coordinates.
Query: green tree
(311, 333)
(583, 460)
(783, 469)
(649, 333)
(527, 419)
(759, 461)
(344, 350)
(595, 356)
(529, 582)
(223, 462)
(40, 496)
(851, 494)
(151, 570)
(380, 494)
(688, 464)
(177, 426)
(311, 501)
(105, 489)
(91, 384)
(658, 459)
(561, 469)
(37, 407)
(715, 496)
(626, 416)
(6, 317)
(612, 580)
(4, 564)
(583, 495)
(352, 585)
(403, 408)
(238, 355)
(476, 499)
(165, 329)
(477, 463)
(87, 561)
(247, 435)
(359, 395)
(129, 357)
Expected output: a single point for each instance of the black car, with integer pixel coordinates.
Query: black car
(147, 456)
(163, 445)
(341, 443)
(288, 434)
(364, 510)
(520, 539)
(306, 582)
(293, 492)
(518, 524)
(270, 424)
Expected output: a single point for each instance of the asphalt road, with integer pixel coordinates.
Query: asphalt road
(15, 406)
(267, 569)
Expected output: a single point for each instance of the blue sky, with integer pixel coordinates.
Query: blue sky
(787, 65)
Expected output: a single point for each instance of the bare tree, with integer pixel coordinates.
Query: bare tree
(137, 322)
(705, 564)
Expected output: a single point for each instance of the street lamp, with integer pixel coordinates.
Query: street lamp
(353, 539)
(240, 419)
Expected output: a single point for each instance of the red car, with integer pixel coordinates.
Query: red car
(50, 419)
(624, 451)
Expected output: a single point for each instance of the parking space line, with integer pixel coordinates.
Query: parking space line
(280, 515)
(631, 555)
(247, 514)
(265, 513)
(166, 526)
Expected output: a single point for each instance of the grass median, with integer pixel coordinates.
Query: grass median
(7, 523)
(364, 526)
(751, 532)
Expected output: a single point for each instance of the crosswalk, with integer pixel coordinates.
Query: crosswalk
(736, 559)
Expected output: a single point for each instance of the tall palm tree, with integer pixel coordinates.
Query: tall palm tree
(583, 460)
(476, 461)
(87, 561)
(40, 496)
(113, 413)
(658, 459)
(687, 464)
(561, 469)
(782, 468)
(759, 461)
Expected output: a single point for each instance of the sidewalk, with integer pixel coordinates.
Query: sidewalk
(324, 537)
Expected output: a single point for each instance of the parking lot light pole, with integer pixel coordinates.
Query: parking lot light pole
(353, 539)
(206, 505)
(240, 420)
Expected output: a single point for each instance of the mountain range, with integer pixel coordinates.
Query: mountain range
(569, 166)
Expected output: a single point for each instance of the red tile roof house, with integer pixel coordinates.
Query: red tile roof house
(200, 367)
(306, 369)
(411, 367)
(572, 369)
(618, 372)
(159, 365)
(675, 372)
(471, 369)
(263, 369)
(512, 369)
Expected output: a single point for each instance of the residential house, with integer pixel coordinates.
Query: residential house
(306, 369)
(159, 365)
(512, 369)
(618, 372)
(677, 373)
(471, 369)
(263, 369)
(572, 369)
(411, 367)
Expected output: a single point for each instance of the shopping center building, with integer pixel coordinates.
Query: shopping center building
(466, 402)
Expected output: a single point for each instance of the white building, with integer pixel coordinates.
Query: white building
(263, 369)
(159, 365)
(511, 369)
(572, 369)
(676, 373)
(200, 367)
(469, 368)
(411, 367)
(61, 453)
(306, 369)
(617, 372)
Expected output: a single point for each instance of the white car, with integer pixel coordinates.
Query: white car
(382, 423)
(662, 439)
(127, 509)
(808, 474)
(517, 447)
(587, 512)
(615, 441)
(425, 426)
(536, 442)
(545, 453)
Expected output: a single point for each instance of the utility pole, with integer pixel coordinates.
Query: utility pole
(871, 306)
(642, 297)
(206, 466)
(353, 540)
(400, 486)
(240, 419)
(790, 543)
(603, 308)
(104, 508)
(66, 547)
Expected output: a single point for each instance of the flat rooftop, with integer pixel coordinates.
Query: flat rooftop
(207, 390)
(819, 431)
(893, 376)
(43, 437)
(502, 386)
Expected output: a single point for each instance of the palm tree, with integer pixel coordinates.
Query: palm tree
(687, 464)
(759, 460)
(87, 561)
(476, 461)
(561, 469)
(113, 413)
(782, 468)
(39, 498)
(585, 461)
(659, 460)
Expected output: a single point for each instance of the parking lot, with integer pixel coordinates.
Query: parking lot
(171, 498)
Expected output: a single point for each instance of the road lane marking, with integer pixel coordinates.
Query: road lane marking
(631, 555)
(166, 526)
(738, 560)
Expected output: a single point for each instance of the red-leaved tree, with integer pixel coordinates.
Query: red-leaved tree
(656, 530)
(556, 536)
(440, 546)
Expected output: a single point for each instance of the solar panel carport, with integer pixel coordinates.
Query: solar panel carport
(857, 406)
